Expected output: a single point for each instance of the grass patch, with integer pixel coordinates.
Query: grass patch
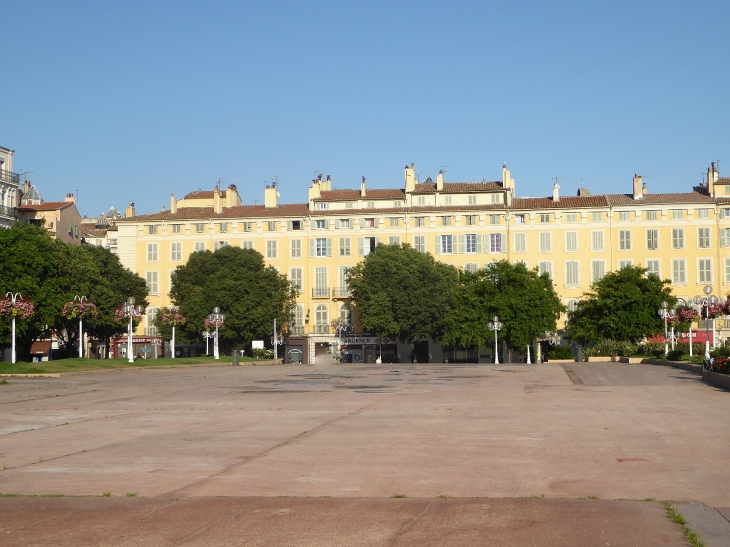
(398, 496)
(674, 516)
(131, 494)
(442, 496)
(592, 497)
(3, 382)
(106, 494)
(82, 365)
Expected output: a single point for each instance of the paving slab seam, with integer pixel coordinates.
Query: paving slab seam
(409, 525)
(48, 397)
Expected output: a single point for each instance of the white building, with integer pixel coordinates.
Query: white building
(9, 183)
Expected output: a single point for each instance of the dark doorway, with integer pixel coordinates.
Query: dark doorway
(420, 351)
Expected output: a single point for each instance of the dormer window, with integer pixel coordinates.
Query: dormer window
(371, 205)
(322, 205)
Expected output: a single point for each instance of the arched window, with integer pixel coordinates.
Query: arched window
(296, 324)
(321, 319)
(347, 314)
(150, 329)
(571, 304)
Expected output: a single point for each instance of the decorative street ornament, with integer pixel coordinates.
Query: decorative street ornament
(131, 313)
(79, 308)
(215, 319)
(172, 316)
(15, 306)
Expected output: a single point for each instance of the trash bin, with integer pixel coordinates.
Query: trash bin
(235, 356)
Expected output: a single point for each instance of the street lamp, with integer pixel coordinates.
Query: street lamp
(495, 325)
(276, 340)
(13, 305)
(131, 311)
(216, 319)
(207, 335)
(665, 314)
(81, 300)
(707, 301)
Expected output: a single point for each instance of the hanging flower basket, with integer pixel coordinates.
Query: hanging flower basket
(121, 317)
(172, 317)
(77, 310)
(23, 307)
(208, 324)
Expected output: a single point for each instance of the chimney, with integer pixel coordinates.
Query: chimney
(556, 192)
(173, 203)
(440, 181)
(130, 210)
(410, 175)
(508, 183)
(643, 189)
(217, 201)
(270, 196)
(70, 198)
(328, 184)
(712, 175)
(362, 188)
(638, 187)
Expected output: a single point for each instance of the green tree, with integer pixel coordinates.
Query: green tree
(622, 306)
(237, 281)
(525, 302)
(402, 293)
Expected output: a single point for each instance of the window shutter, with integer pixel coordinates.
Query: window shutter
(329, 246)
(479, 244)
(360, 246)
(723, 237)
(312, 248)
(326, 224)
(502, 243)
(362, 223)
(487, 247)
(376, 222)
(352, 223)
(462, 243)
(337, 224)
(288, 225)
(438, 245)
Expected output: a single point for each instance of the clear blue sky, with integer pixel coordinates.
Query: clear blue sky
(130, 100)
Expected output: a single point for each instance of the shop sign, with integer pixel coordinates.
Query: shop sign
(365, 340)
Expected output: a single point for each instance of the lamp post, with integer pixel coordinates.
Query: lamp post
(14, 305)
(276, 340)
(495, 325)
(131, 311)
(708, 300)
(81, 300)
(664, 313)
(216, 319)
(173, 309)
(207, 335)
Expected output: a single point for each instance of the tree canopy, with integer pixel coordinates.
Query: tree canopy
(622, 306)
(525, 302)
(402, 293)
(237, 281)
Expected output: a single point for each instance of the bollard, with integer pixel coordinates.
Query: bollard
(235, 356)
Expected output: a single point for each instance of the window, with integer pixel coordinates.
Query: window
(199, 246)
(394, 222)
(652, 240)
(472, 200)
(495, 243)
(598, 270)
(220, 244)
(471, 267)
(366, 245)
(151, 315)
(651, 215)
(348, 205)
(494, 219)
(247, 244)
(520, 242)
(624, 240)
(248, 226)
(496, 198)
(546, 242)
(597, 240)
(270, 248)
(470, 220)
(444, 245)
(399, 203)
(652, 267)
(371, 205)
(545, 218)
(704, 270)
(727, 189)
(320, 245)
(624, 263)
(571, 241)
(151, 229)
(445, 221)
(344, 223)
(679, 273)
(152, 252)
(199, 228)
(677, 214)
(724, 237)
(296, 248)
(344, 246)
(703, 238)
(447, 200)
(393, 240)
(296, 324)
(420, 222)
(344, 285)
(597, 217)
(421, 200)
(727, 270)
(419, 243)
(572, 304)
(725, 213)
(320, 224)
(321, 287)
(545, 267)
(703, 213)
(272, 225)
(295, 276)
(624, 216)
(519, 219)
(153, 283)
(176, 228)
(469, 243)
(176, 252)
(571, 273)
(368, 223)
(295, 225)
(571, 218)
(322, 206)
(677, 238)
(321, 319)
(224, 227)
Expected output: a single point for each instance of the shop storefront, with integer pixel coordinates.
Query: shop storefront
(143, 347)
(367, 349)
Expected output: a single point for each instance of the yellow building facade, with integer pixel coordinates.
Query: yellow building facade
(684, 237)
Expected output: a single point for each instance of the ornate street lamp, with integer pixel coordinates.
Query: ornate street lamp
(207, 335)
(215, 319)
(665, 314)
(130, 311)
(173, 317)
(495, 325)
(706, 301)
(15, 305)
(276, 340)
(79, 307)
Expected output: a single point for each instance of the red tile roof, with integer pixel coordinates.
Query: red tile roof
(459, 187)
(566, 202)
(659, 199)
(370, 194)
(240, 212)
(46, 206)
(203, 194)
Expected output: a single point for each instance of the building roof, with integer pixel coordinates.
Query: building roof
(47, 206)
(370, 194)
(565, 202)
(203, 194)
(659, 199)
(458, 187)
(238, 212)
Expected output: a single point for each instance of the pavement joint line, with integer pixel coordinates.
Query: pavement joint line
(572, 374)
(204, 528)
(47, 397)
(409, 524)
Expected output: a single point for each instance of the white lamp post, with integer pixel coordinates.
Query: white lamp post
(495, 325)
(173, 309)
(216, 319)
(131, 312)
(664, 314)
(13, 300)
(276, 340)
(207, 335)
(707, 301)
(81, 300)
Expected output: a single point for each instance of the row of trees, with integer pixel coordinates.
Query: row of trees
(50, 273)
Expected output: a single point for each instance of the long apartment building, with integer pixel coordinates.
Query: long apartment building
(684, 237)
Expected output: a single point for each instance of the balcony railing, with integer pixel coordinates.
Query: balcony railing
(321, 292)
(296, 330)
(151, 331)
(321, 329)
(9, 177)
(341, 292)
(11, 212)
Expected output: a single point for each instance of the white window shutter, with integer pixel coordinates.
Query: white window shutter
(502, 243)
(312, 249)
(288, 225)
(438, 245)
(479, 244)
(462, 243)
(337, 224)
(329, 246)
(352, 223)
(327, 224)
(360, 246)
(376, 223)
(362, 223)
(487, 247)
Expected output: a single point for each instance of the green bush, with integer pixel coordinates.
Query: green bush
(610, 348)
(675, 355)
(561, 352)
(719, 352)
(263, 353)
